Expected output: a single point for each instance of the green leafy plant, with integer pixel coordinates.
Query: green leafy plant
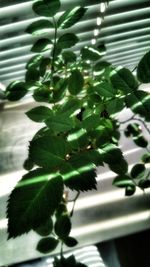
(81, 131)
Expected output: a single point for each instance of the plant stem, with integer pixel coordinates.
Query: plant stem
(54, 52)
(74, 202)
(122, 122)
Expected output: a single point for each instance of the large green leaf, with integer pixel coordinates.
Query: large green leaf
(39, 114)
(48, 151)
(91, 53)
(63, 226)
(16, 90)
(123, 79)
(76, 82)
(42, 45)
(39, 27)
(60, 123)
(79, 173)
(77, 138)
(71, 17)
(143, 69)
(105, 89)
(139, 102)
(46, 8)
(33, 201)
(47, 244)
(67, 40)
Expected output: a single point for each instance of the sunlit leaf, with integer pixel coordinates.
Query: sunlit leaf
(47, 244)
(46, 8)
(34, 62)
(123, 181)
(67, 40)
(32, 75)
(39, 27)
(42, 45)
(130, 190)
(146, 158)
(59, 123)
(137, 170)
(76, 82)
(15, 91)
(140, 140)
(115, 105)
(91, 53)
(69, 107)
(33, 201)
(42, 95)
(39, 114)
(111, 154)
(105, 89)
(71, 17)
(69, 56)
(143, 69)
(44, 65)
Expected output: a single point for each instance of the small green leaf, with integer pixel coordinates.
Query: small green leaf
(42, 45)
(140, 140)
(111, 154)
(32, 75)
(69, 107)
(70, 241)
(137, 170)
(77, 138)
(39, 27)
(90, 53)
(67, 40)
(139, 102)
(63, 226)
(76, 82)
(45, 229)
(69, 57)
(46, 8)
(39, 114)
(71, 17)
(134, 129)
(123, 181)
(34, 62)
(146, 158)
(130, 190)
(143, 69)
(48, 151)
(120, 167)
(42, 95)
(15, 91)
(144, 183)
(101, 66)
(46, 245)
(28, 164)
(123, 79)
(33, 201)
(91, 122)
(44, 65)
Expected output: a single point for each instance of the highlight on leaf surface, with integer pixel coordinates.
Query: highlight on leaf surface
(16, 90)
(39, 27)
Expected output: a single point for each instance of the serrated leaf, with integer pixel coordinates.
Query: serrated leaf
(47, 245)
(63, 226)
(59, 123)
(15, 91)
(39, 114)
(48, 151)
(76, 82)
(71, 17)
(123, 181)
(78, 174)
(123, 79)
(39, 27)
(70, 241)
(45, 229)
(139, 102)
(143, 69)
(115, 105)
(41, 45)
(67, 40)
(69, 56)
(46, 8)
(34, 62)
(137, 170)
(90, 53)
(33, 201)
(105, 89)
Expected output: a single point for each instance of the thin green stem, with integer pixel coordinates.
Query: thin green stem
(54, 52)
(74, 202)
(122, 122)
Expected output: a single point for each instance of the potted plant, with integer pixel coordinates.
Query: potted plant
(82, 96)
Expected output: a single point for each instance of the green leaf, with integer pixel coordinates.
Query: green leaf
(71, 17)
(44, 65)
(46, 8)
(28, 164)
(48, 151)
(144, 183)
(120, 167)
(146, 158)
(69, 107)
(59, 123)
(105, 89)
(90, 53)
(111, 154)
(70, 241)
(123, 181)
(39, 114)
(76, 82)
(134, 129)
(60, 90)
(123, 79)
(39, 27)
(130, 190)
(34, 62)
(78, 174)
(77, 138)
(61, 210)
(15, 91)
(45, 229)
(114, 106)
(91, 122)
(137, 170)
(139, 102)
(33, 201)
(69, 57)
(63, 226)
(140, 140)
(143, 69)
(42, 95)
(47, 245)
(101, 66)
(67, 40)
(32, 75)
(42, 45)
